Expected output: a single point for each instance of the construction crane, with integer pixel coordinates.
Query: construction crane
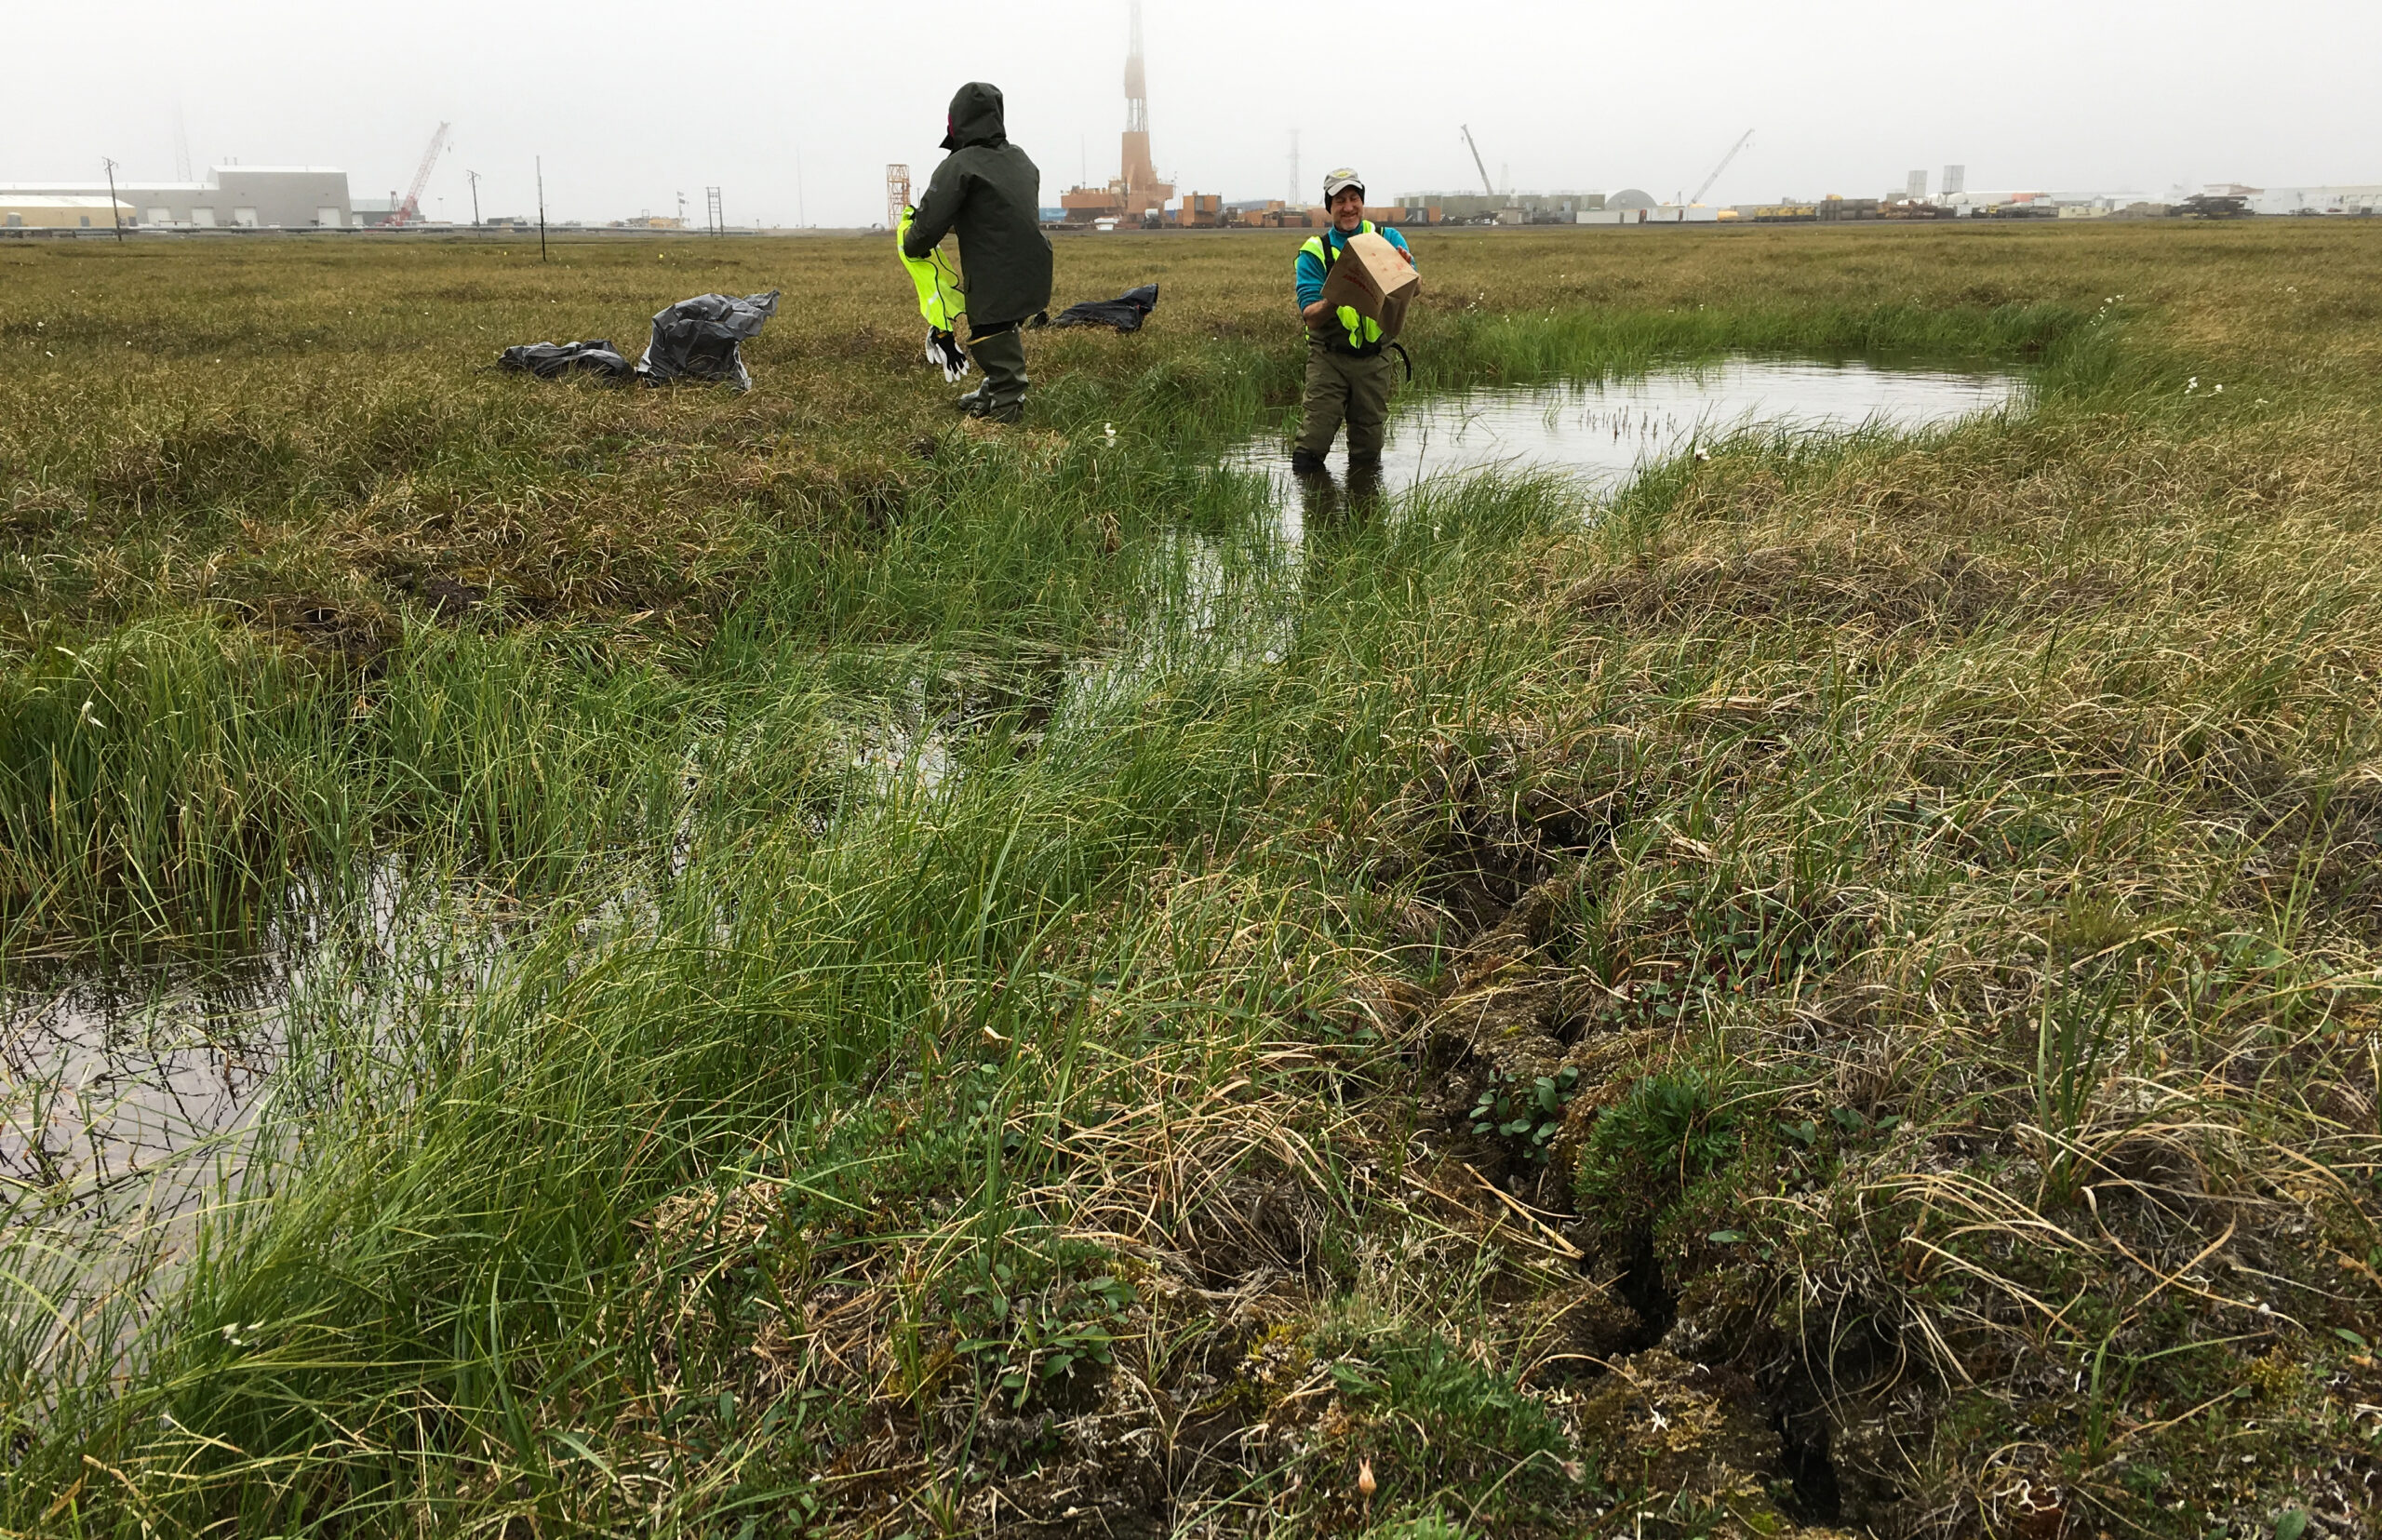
(1722, 167)
(1479, 164)
(409, 212)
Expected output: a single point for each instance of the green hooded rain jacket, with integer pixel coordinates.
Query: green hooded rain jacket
(991, 193)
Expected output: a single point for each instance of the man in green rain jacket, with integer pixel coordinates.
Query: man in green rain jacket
(991, 193)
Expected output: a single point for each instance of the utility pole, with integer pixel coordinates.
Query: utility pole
(114, 217)
(542, 209)
(474, 178)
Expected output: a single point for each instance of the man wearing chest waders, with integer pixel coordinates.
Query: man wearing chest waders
(1347, 372)
(991, 193)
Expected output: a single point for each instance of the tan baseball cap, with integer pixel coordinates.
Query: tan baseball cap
(1334, 182)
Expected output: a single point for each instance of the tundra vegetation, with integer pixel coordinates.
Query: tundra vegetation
(876, 976)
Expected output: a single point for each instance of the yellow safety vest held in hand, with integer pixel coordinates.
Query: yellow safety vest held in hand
(1363, 334)
(941, 299)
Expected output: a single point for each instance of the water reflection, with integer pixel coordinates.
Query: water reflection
(1604, 432)
(109, 1080)
(1328, 503)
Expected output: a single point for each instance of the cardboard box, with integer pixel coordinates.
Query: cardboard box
(1374, 279)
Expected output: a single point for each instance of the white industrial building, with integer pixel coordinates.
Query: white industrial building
(2366, 200)
(1556, 207)
(245, 197)
(1632, 207)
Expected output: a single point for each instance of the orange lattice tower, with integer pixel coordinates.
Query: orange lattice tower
(1140, 175)
(1136, 190)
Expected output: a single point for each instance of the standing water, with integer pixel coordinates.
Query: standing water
(1605, 432)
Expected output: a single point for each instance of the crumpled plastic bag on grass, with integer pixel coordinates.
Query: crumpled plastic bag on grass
(1125, 312)
(697, 339)
(553, 360)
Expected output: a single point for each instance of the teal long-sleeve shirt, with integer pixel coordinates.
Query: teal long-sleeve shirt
(1310, 267)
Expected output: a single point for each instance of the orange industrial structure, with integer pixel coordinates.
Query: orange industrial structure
(1136, 197)
(1199, 211)
(1136, 193)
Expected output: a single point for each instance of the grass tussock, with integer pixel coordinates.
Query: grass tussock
(1837, 992)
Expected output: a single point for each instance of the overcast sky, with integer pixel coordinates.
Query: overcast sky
(794, 110)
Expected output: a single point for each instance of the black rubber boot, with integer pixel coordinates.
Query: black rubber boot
(972, 403)
(1304, 463)
(980, 405)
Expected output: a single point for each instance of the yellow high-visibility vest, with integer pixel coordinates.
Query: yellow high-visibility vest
(941, 299)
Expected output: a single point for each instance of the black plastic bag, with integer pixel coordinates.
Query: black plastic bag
(1125, 312)
(697, 339)
(553, 360)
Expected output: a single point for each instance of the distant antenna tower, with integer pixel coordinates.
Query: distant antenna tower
(181, 147)
(714, 221)
(897, 195)
(1298, 193)
(1956, 181)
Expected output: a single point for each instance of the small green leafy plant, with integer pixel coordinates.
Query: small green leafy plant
(1526, 1112)
(1041, 1339)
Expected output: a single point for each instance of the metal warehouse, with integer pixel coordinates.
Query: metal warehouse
(247, 198)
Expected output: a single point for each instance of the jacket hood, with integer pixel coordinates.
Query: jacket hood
(975, 117)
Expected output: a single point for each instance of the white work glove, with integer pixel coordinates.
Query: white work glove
(945, 353)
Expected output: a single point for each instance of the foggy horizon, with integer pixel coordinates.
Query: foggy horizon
(796, 115)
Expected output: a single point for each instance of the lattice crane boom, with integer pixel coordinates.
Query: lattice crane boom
(1486, 185)
(1740, 145)
(410, 210)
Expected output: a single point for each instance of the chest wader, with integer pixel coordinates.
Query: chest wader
(1348, 379)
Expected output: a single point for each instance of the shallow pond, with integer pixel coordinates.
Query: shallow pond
(1602, 432)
